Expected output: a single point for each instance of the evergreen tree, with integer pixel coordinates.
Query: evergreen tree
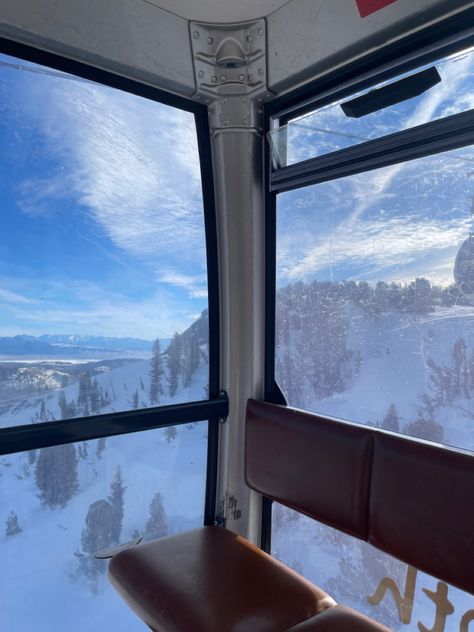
(425, 426)
(83, 397)
(116, 500)
(83, 450)
(94, 397)
(157, 524)
(156, 374)
(100, 447)
(43, 416)
(56, 475)
(174, 363)
(190, 359)
(12, 527)
(391, 421)
(97, 534)
(135, 400)
(170, 433)
(62, 403)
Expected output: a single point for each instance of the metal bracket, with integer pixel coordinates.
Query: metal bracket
(230, 72)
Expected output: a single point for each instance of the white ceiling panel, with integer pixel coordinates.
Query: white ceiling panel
(219, 10)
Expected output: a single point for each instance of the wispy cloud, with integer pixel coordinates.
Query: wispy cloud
(9, 297)
(393, 249)
(131, 164)
(82, 306)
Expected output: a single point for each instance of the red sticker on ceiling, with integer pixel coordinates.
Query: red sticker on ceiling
(366, 7)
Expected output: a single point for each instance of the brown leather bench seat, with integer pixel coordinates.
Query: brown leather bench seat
(211, 580)
(382, 488)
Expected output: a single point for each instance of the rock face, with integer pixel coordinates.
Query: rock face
(464, 267)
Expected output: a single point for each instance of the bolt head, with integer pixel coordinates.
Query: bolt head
(249, 38)
(201, 73)
(223, 77)
(210, 40)
(260, 32)
(196, 34)
(213, 78)
(260, 71)
(241, 77)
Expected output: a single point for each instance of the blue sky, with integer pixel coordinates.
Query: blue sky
(392, 224)
(101, 229)
(102, 232)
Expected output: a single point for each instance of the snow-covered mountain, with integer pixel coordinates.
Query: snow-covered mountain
(74, 346)
(59, 504)
(340, 351)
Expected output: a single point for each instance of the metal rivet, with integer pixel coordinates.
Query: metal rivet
(241, 77)
(213, 78)
(210, 41)
(196, 34)
(260, 32)
(249, 38)
(201, 73)
(260, 71)
(223, 77)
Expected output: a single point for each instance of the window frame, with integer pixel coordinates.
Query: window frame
(431, 43)
(215, 408)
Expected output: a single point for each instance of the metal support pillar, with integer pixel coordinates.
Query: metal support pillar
(230, 73)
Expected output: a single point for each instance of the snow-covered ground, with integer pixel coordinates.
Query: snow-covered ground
(42, 586)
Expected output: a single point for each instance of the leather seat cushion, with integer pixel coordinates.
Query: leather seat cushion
(211, 580)
(339, 619)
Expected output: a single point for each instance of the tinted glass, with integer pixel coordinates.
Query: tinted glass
(329, 128)
(96, 186)
(375, 298)
(60, 505)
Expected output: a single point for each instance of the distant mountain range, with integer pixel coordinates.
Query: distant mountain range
(73, 346)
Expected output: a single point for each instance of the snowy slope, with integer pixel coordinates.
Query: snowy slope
(40, 568)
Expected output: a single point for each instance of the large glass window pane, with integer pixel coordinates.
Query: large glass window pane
(375, 298)
(358, 575)
(329, 128)
(102, 250)
(59, 505)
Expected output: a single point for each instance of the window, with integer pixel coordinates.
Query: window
(363, 577)
(434, 92)
(108, 314)
(60, 505)
(374, 300)
(103, 309)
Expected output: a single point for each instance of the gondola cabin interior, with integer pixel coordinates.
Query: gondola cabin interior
(237, 315)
